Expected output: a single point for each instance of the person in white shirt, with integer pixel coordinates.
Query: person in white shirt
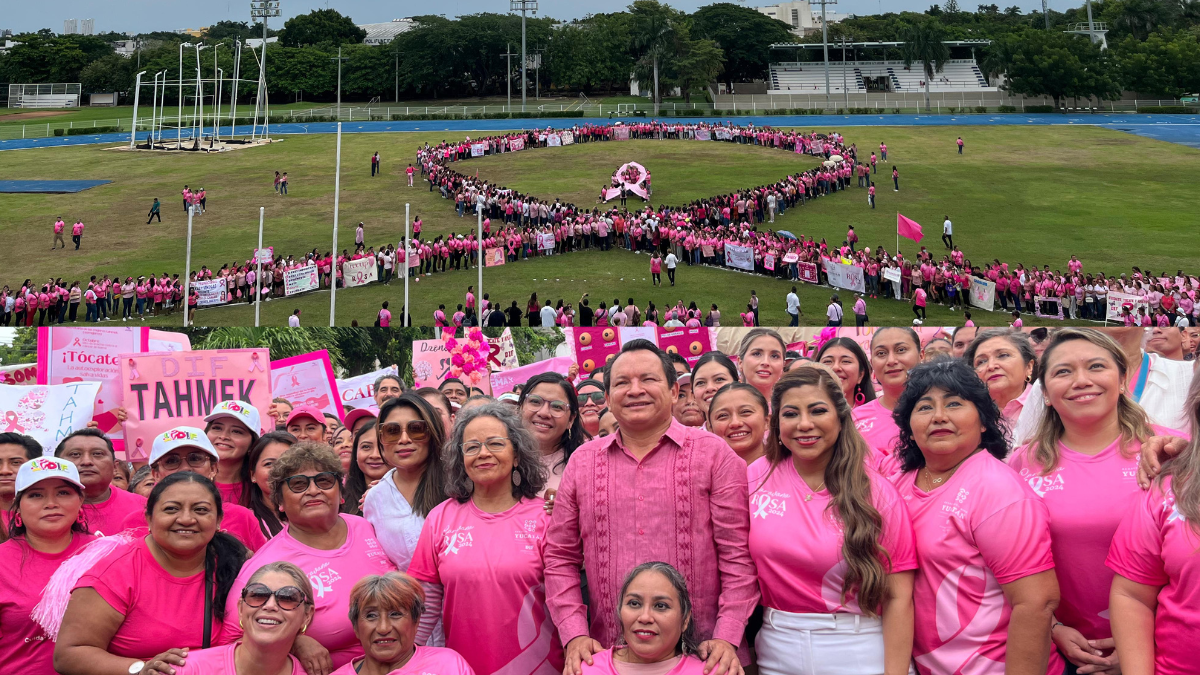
(294, 319)
(387, 266)
(834, 311)
(793, 307)
(548, 315)
(948, 233)
(771, 205)
(671, 262)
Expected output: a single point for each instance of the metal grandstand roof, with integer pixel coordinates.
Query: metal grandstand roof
(383, 33)
(807, 45)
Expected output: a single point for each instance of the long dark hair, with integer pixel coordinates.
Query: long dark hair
(356, 480)
(724, 361)
(576, 435)
(224, 555)
(849, 489)
(431, 489)
(864, 388)
(955, 377)
(252, 495)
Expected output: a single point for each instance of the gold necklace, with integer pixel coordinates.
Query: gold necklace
(808, 497)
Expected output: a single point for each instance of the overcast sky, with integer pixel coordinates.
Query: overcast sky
(150, 15)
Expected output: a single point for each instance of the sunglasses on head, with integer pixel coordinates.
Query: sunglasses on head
(288, 597)
(195, 460)
(299, 483)
(390, 432)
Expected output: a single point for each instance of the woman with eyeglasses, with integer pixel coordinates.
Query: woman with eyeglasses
(44, 530)
(591, 401)
(1004, 359)
(188, 449)
(385, 610)
(148, 599)
(480, 554)
(333, 549)
(550, 410)
(275, 607)
(257, 495)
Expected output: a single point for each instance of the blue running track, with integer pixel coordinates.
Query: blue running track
(54, 186)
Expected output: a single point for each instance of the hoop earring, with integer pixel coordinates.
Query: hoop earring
(79, 518)
(18, 521)
(860, 398)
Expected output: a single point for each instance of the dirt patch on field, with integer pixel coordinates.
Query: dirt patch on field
(17, 117)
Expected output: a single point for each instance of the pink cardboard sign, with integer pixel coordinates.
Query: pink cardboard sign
(161, 390)
(431, 366)
(505, 381)
(307, 379)
(594, 347)
(689, 343)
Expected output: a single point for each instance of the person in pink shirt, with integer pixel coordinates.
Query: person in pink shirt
(657, 627)
(386, 610)
(830, 537)
(77, 233)
(105, 507)
(333, 550)
(655, 490)
(480, 554)
(275, 607)
(1153, 556)
(48, 499)
(1083, 463)
(894, 352)
(1017, 323)
(919, 302)
(985, 589)
(59, 226)
(655, 270)
(144, 600)
(1004, 360)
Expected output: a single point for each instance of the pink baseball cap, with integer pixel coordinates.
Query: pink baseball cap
(357, 414)
(306, 411)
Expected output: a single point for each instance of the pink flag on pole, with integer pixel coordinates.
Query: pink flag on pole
(908, 228)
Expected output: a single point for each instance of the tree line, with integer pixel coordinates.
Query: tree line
(1154, 49)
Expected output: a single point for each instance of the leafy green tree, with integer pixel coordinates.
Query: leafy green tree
(923, 43)
(654, 38)
(108, 73)
(591, 54)
(38, 58)
(744, 35)
(699, 64)
(238, 30)
(321, 27)
(1166, 64)
(1058, 65)
(1139, 18)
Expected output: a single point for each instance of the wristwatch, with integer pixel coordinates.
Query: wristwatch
(136, 667)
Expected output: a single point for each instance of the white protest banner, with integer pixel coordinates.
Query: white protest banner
(568, 137)
(703, 135)
(545, 242)
(307, 379)
(211, 292)
(477, 149)
(359, 272)
(554, 141)
(86, 354)
(891, 273)
(620, 133)
(168, 341)
(1118, 300)
(300, 279)
(162, 390)
(264, 255)
(848, 277)
(723, 134)
(48, 413)
(1045, 307)
(503, 354)
(19, 373)
(516, 143)
(359, 391)
(983, 293)
(790, 258)
(741, 257)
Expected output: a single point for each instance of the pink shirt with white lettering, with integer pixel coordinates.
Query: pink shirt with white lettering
(219, 661)
(24, 645)
(982, 528)
(424, 661)
(1156, 546)
(797, 545)
(491, 566)
(1087, 496)
(332, 573)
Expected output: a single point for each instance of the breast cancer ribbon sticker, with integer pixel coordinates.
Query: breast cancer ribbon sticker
(133, 371)
(761, 502)
(11, 418)
(254, 363)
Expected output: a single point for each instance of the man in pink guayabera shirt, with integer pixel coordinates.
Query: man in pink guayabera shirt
(654, 491)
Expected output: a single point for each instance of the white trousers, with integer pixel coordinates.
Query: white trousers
(819, 644)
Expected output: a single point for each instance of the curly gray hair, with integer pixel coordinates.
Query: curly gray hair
(529, 474)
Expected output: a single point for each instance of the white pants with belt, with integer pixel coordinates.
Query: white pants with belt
(819, 644)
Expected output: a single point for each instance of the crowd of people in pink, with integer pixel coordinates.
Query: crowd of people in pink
(981, 501)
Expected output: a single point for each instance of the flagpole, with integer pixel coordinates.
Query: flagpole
(407, 252)
(337, 193)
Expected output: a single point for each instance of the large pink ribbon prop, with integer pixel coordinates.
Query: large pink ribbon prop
(637, 187)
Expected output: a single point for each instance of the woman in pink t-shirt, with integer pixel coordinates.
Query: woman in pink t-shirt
(480, 552)
(47, 532)
(760, 359)
(331, 548)
(1004, 359)
(1153, 556)
(275, 607)
(849, 362)
(830, 537)
(233, 428)
(894, 352)
(385, 611)
(145, 598)
(658, 635)
(738, 414)
(985, 588)
(1082, 462)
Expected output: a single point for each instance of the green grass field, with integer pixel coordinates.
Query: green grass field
(1032, 195)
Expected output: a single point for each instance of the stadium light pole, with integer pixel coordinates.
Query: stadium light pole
(523, 6)
(339, 60)
(258, 274)
(407, 252)
(337, 194)
(825, 45)
(179, 117)
(508, 53)
(264, 9)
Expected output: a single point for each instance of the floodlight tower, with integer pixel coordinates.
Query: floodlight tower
(264, 9)
(523, 6)
(825, 45)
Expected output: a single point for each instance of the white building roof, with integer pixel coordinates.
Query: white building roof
(383, 33)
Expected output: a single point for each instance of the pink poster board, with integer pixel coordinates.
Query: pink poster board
(307, 379)
(505, 381)
(431, 366)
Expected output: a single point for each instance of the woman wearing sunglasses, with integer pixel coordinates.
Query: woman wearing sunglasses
(550, 410)
(275, 607)
(385, 611)
(189, 449)
(333, 550)
(591, 401)
(480, 554)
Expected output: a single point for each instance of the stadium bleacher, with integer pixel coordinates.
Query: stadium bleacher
(959, 75)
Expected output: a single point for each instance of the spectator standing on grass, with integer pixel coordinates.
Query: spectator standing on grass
(871, 194)
(918, 300)
(834, 311)
(77, 233)
(671, 261)
(754, 307)
(278, 180)
(153, 212)
(359, 235)
(883, 151)
(384, 319)
(960, 145)
(410, 171)
(895, 178)
(655, 269)
(547, 315)
(59, 225)
(283, 184)
(948, 233)
(860, 312)
(793, 307)
(294, 319)
(374, 164)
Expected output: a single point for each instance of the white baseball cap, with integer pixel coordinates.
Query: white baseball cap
(181, 437)
(238, 410)
(39, 469)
